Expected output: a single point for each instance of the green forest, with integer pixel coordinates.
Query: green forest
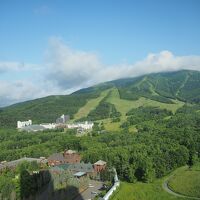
(160, 145)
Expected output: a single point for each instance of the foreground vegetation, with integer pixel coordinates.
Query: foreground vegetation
(21, 182)
(155, 191)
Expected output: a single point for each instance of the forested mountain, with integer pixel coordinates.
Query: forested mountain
(182, 86)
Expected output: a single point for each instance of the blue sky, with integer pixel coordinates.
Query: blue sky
(45, 43)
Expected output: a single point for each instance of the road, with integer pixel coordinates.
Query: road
(87, 194)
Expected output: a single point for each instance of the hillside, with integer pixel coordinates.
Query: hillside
(110, 100)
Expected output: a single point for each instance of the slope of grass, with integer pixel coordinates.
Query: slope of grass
(89, 106)
(123, 106)
(187, 182)
(143, 191)
(147, 191)
(111, 126)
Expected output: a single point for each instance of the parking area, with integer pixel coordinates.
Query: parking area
(91, 191)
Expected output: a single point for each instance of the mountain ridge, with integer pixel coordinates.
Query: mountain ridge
(166, 88)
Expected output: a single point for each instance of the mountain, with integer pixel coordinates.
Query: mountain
(111, 99)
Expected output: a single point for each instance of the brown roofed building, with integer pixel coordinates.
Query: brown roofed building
(56, 159)
(71, 156)
(99, 166)
(68, 156)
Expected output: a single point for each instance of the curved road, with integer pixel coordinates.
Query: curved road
(167, 189)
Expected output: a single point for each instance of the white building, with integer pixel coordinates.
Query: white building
(84, 125)
(62, 119)
(23, 124)
(48, 126)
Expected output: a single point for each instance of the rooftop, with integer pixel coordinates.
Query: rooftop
(79, 174)
(84, 167)
(100, 162)
(56, 156)
(70, 151)
(56, 168)
(16, 162)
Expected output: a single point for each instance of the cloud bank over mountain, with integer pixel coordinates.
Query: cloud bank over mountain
(65, 70)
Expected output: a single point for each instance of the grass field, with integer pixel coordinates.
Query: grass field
(90, 105)
(147, 191)
(143, 191)
(123, 106)
(187, 182)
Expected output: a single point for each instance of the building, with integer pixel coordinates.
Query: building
(24, 123)
(56, 170)
(48, 126)
(81, 125)
(29, 127)
(77, 169)
(33, 128)
(68, 156)
(80, 169)
(80, 174)
(56, 159)
(62, 119)
(72, 156)
(99, 166)
(13, 164)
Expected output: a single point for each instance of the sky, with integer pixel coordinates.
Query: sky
(59, 46)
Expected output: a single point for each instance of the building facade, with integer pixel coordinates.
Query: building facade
(99, 166)
(48, 126)
(24, 123)
(62, 119)
(68, 157)
(83, 125)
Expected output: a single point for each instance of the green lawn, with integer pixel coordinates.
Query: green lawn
(143, 191)
(187, 182)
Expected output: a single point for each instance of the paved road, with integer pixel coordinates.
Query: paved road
(87, 194)
(167, 189)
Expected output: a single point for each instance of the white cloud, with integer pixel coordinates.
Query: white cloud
(22, 90)
(70, 68)
(66, 70)
(166, 61)
(8, 66)
(11, 92)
